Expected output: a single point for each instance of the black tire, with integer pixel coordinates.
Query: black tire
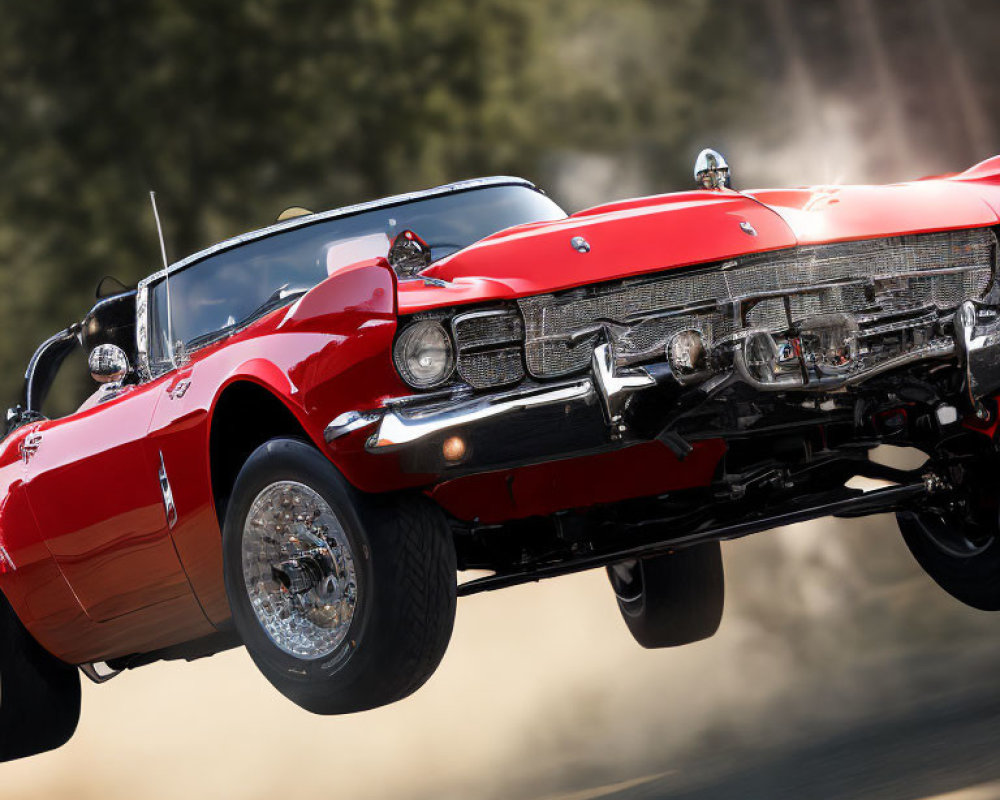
(404, 559)
(39, 694)
(673, 599)
(962, 559)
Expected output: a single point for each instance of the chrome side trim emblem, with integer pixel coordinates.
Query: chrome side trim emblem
(580, 244)
(748, 229)
(168, 495)
(29, 446)
(179, 389)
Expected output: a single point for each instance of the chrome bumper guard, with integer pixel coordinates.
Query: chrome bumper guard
(977, 331)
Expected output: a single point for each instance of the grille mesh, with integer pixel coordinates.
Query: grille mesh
(640, 316)
(491, 367)
(489, 347)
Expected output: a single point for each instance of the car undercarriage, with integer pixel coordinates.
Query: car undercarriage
(802, 362)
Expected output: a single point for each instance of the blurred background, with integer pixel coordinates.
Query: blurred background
(839, 671)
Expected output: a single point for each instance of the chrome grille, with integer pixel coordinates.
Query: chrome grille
(869, 277)
(492, 367)
(488, 345)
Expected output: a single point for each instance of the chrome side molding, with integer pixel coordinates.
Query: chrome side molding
(168, 494)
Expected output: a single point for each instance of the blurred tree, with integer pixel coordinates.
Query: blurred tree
(233, 111)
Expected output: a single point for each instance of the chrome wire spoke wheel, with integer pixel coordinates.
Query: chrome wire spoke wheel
(299, 570)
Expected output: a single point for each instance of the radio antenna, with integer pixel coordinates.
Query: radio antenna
(166, 279)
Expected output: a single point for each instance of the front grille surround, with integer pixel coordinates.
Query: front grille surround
(870, 278)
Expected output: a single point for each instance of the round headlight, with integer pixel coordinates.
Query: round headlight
(423, 355)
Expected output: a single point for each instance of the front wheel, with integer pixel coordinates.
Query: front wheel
(345, 601)
(956, 536)
(962, 557)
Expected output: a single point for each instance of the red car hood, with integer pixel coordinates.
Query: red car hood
(652, 234)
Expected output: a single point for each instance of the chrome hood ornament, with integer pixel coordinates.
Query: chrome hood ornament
(711, 171)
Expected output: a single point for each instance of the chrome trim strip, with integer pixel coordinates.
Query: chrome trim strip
(455, 394)
(348, 422)
(397, 430)
(168, 495)
(458, 319)
(299, 222)
(142, 334)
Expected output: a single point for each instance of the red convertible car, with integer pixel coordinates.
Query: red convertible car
(302, 434)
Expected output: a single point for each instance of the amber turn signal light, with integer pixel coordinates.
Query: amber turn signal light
(453, 448)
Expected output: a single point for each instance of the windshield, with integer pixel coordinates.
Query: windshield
(223, 292)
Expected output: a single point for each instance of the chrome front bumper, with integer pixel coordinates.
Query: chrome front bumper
(520, 426)
(585, 415)
(398, 428)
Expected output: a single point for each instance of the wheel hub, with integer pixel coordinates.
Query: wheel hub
(299, 570)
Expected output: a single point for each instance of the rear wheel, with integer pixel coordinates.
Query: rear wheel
(39, 694)
(345, 601)
(673, 599)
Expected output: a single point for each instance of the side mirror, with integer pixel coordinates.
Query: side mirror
(409, 254)
(108, 363)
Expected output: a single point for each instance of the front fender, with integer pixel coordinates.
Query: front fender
(328, 353)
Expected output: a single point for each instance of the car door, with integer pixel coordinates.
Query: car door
(97, 498)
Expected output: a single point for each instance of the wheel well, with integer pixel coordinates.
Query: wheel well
(246, 415)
